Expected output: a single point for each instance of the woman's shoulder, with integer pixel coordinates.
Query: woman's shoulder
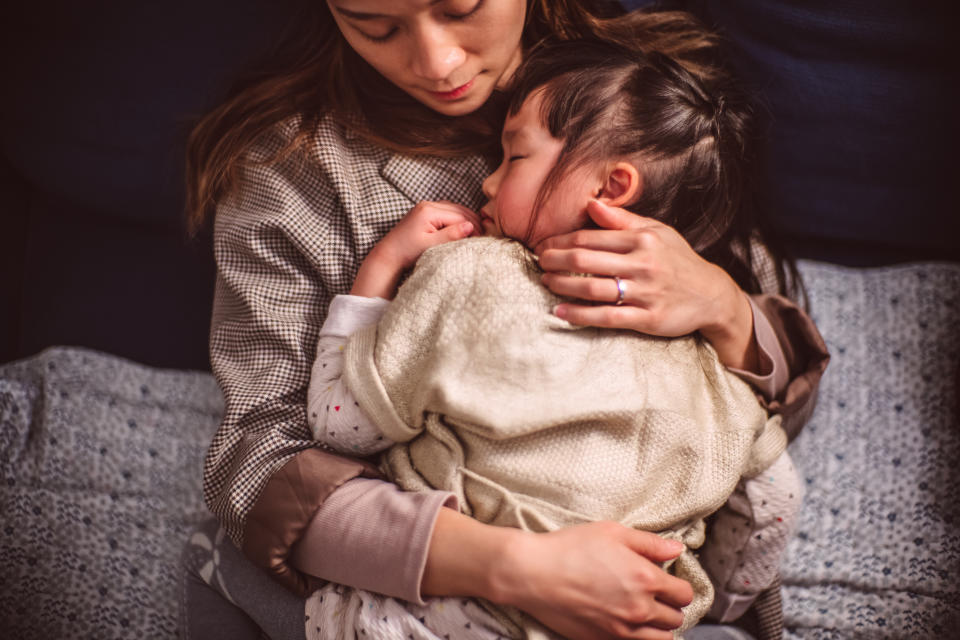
(331, 160)
(326, 138)
(288, 172)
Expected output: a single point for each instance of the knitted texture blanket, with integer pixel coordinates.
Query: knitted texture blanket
(538, 424)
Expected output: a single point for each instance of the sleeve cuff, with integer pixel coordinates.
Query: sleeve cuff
(371, 535)
(349, 313)
(773, 374)
(286, 505)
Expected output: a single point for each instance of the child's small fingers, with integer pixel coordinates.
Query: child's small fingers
(444, 218)
(454, 232)
(453, 207)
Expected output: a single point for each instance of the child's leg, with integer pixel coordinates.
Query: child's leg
(747, 538)
(226, 596)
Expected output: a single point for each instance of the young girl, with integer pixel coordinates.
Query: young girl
(529, 421)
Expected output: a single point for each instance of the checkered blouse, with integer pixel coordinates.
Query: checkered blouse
(290, 238)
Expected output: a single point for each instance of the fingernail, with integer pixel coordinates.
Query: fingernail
(560, 311)
(466, 227)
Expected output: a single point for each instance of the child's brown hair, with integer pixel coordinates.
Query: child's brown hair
(689, 131)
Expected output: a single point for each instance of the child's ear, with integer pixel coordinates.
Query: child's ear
(622, 186)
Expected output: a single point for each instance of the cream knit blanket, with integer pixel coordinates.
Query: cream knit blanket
(537, 424)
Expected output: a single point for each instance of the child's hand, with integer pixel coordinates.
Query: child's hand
(426, 225)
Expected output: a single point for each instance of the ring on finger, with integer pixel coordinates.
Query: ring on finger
(621, 290)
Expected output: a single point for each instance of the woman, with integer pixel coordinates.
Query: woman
(300, 204)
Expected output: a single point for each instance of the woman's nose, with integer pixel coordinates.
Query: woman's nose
(437, 53)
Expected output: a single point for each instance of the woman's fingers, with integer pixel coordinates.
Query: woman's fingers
(595, 580)
(607, 317)
(672, 592)
(651, 546)
(598, 263)
(594, 239)
(603, 289)
(653, 634)
(607, 217)
(667, 617)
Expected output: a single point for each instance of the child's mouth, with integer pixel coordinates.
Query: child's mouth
(488, 224)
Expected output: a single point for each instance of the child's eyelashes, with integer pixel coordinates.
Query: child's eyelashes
(513, 158)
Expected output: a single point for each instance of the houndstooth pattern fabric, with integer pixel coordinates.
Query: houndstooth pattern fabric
(290, 238)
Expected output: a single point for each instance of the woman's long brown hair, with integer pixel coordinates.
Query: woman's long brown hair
(314, 73)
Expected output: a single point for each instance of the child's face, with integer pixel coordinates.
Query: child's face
(529, 153)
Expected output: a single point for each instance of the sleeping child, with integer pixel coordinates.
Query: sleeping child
(468, 382)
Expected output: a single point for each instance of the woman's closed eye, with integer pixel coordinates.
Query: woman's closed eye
(514, 158)
(451, 15)
(373, 38)
(463, 15)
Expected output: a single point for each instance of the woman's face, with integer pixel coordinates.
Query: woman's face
(447, 54)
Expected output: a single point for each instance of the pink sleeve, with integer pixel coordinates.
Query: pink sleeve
(371, 535)
(774, 373)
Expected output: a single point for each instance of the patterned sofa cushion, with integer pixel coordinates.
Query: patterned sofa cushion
(100, 462)
(877, 549)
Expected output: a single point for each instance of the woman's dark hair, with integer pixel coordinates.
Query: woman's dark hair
(689, 130)
(314, 73)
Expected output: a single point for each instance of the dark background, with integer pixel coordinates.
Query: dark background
(97, 99)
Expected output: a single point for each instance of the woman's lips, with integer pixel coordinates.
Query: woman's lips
(453, 95)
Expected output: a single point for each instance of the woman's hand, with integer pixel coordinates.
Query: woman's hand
(668, 290)
(426, 225)
(597, 580)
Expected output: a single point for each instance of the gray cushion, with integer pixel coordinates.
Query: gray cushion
(101, 462)
(876, 553)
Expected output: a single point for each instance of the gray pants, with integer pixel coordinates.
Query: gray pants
(226, 597)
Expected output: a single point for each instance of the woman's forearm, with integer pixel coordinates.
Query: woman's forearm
(467, 558)
(732, 333)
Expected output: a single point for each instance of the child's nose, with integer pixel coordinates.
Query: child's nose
(491, 184)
